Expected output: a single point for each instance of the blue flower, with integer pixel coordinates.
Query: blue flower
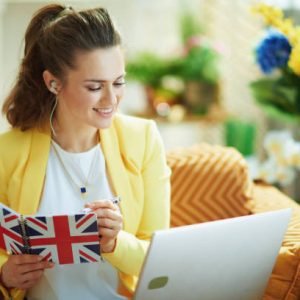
(273, 51)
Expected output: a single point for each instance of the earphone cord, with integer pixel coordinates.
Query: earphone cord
(51, 116)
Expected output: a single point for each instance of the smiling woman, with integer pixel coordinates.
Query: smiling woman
(89, 95)
(69, 148)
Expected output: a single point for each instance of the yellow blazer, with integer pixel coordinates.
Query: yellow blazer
(137, 167)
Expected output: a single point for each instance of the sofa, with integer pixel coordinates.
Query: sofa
(212, 182)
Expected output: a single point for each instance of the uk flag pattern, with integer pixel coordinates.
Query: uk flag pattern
(10, 233)
(63, 239)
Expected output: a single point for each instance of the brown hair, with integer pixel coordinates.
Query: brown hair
(54, 36)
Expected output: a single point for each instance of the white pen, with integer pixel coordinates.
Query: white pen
(114, 200)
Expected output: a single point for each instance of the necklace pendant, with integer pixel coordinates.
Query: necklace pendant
(83, 190)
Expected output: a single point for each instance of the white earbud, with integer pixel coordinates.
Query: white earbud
(53, 87)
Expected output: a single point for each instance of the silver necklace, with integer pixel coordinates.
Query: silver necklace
(86, 181)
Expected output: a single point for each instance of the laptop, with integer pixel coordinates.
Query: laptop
(229, 259)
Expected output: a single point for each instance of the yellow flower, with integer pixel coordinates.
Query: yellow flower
(294, 61)
(287, 27)
(272, 15)
(296, 36)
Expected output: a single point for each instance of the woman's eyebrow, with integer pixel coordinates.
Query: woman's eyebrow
(101, 80)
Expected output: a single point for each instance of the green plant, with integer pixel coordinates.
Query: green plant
(189, 26)
(148, 68)
(199, 63)
(279, 95)
(199, 59)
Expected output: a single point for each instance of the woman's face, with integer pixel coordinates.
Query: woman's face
(93, 90)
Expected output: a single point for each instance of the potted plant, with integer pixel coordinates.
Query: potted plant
(154, 72)
(198, 68)
(189, 78)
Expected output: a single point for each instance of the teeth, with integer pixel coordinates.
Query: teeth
(104, 110)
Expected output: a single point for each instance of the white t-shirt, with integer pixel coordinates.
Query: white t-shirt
(60, 195)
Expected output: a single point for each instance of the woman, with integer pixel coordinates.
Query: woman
(68, 148)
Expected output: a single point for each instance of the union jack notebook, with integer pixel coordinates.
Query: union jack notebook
(63, 239)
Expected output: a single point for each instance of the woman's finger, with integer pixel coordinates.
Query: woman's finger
(110, 224)
(32, 276)
(107, 233)
(109, 214)
(33, 267)
(102, 204)
(25, 259)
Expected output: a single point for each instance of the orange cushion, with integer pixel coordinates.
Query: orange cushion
(208, 183)
(284, 282)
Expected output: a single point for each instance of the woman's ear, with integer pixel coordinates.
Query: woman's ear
(51, 82)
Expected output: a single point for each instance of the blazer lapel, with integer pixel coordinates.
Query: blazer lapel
(34, 175)
(119, 178)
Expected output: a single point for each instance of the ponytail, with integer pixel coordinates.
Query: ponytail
(21, 108)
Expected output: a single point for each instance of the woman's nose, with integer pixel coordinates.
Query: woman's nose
(108, 96)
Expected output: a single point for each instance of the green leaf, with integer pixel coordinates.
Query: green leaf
(278, 97)
(147, 68)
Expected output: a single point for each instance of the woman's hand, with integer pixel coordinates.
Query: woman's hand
(110, 222)
(23, 271)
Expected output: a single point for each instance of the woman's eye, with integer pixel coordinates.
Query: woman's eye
(93, 89)
(119, 83)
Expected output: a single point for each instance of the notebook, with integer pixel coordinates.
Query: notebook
(229, 259)
(63, 239)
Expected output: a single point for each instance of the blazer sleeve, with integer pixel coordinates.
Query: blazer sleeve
(130, 250)
(5, 293)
